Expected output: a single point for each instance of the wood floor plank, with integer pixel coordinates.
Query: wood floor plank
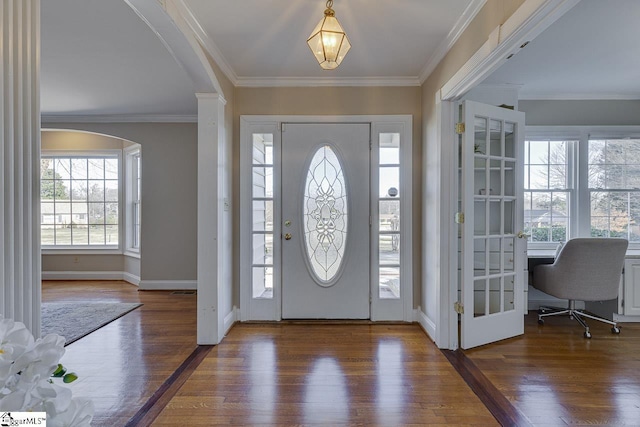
(354, 374)
(335, 374)
(122, 364)
(556, 377)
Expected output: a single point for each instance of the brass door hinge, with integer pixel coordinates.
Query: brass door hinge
(459, 218)
(459, 128)
(458, 307)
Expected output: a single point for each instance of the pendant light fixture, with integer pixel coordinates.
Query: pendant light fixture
(328, 41)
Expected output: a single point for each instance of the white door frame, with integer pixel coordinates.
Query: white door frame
(271, 309)
(524, 25)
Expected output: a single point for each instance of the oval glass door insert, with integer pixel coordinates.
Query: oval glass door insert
(325, 215)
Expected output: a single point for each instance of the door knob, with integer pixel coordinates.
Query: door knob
(287, 236)
(522, 235)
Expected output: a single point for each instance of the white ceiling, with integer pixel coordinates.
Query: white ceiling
(267, 39)
(592, 52)
(100, 58)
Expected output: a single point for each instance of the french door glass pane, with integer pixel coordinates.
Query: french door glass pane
(480, 212)
(509, 178)
(495, 295)
(509, 294)
(495, 177)
(480, 136)
(508, 254)
(495, 136)
(479, 297)
(510, 140)
(480, 250)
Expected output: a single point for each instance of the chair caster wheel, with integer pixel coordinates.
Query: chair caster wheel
(540, 321)
(615, 330)
(587, 335)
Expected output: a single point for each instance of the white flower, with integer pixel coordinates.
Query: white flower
(42, 358)
(78, 414)
(26, 367)
(15, 339)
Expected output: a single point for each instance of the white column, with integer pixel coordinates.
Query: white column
(211, 231)
(20, 277)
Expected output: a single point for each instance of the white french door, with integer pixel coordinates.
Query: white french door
(493, 245)
(325, 221)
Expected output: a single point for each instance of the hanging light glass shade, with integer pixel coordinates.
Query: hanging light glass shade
(328, 41)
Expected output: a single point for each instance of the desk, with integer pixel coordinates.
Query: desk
(536, 298)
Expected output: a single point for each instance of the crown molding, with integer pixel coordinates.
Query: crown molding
(458, 29)
(119, 118)
(326, 81)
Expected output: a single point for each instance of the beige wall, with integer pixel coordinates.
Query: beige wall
(493, 14)
(169, 198)
(331, 101)
(83, 263)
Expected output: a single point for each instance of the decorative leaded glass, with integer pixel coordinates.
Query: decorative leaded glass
(325, 214)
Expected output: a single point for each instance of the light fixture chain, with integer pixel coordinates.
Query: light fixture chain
(329, 4)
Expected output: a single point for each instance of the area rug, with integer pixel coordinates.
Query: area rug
(76, 320)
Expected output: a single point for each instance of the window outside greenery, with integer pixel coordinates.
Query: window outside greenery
(547, 191)
(79, 200)
(614, 188)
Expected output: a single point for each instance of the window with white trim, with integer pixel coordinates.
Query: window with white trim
(133, 178)
(80, 198)
(389, 215)
(581, 182)
(614, 188)
(547, 190)
(262, 223)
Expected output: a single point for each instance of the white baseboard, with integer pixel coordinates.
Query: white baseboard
(128, 277)
(168, 285)
(91, 275)
(230, 319)
(426, 323)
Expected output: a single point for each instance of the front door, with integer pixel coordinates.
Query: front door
(325, 221)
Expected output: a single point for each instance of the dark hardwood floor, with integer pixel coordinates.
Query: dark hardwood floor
(339, 374)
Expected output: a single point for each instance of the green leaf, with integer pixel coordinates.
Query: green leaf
(60, 371)
(69, 378)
